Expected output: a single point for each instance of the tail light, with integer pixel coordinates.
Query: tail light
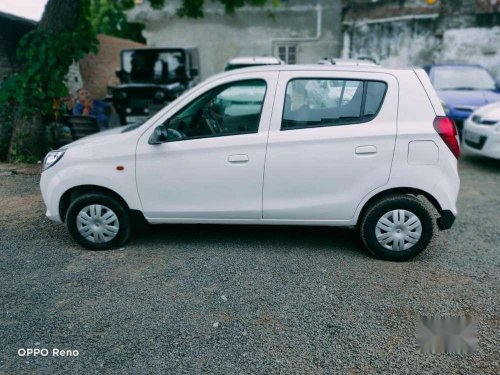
(447, 130)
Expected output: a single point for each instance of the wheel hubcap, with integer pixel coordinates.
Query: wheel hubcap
(97, 223)
(398, 230)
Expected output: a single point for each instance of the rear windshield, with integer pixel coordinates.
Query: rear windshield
(462, 78)
(330, 102)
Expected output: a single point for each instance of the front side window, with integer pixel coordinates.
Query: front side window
(230, 109)
(330, 102)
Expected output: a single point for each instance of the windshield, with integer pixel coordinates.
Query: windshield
(153, 65)
(462, 78)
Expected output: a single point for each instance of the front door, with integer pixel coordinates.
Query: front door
(212, 164)
(331, 142)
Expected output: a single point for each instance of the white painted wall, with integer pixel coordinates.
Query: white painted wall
(249, 32)
(473, 46)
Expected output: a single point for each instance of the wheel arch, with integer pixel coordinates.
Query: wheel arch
(399, 191)
(77, 191)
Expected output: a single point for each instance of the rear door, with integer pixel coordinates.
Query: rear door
(331, 142)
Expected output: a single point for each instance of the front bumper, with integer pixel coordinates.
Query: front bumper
(482, 139)
(52, 190)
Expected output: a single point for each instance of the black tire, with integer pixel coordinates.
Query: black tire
(385, 205)
(109, 203)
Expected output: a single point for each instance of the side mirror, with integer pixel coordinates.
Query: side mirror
(159, 136)
(193, 72)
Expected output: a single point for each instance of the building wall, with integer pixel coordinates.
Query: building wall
(98, 71)
(416, 34)
(395, 42)
(12, 29)
(473, 46)
(249, 32)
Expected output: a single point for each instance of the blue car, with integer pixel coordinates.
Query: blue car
(463, 88)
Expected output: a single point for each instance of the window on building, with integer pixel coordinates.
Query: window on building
(331, 102)
(230, 109)
(288, 53)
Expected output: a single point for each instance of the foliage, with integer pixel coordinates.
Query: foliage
(194, 8)
(108, 17)
(44, 58)
(29, 98)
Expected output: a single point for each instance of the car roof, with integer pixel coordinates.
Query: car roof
(314, 67)
(309, 68)
(254, 60)
(158, 49)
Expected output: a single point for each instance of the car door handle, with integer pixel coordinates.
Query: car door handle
(238, 158)
(366, 150)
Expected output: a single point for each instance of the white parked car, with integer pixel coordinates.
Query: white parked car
(482, 131)
(252, 61)
(295, 145)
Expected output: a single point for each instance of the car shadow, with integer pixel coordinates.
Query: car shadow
(482, 162)
(265, 237)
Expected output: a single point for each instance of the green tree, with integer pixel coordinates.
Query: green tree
(66, 32)
(108, 17)
(194, 8)
(64, 35)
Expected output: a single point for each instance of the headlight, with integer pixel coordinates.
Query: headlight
(52, 158)
(446, 109)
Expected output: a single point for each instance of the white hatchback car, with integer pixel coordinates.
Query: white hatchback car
(482, 131)
(296, 145)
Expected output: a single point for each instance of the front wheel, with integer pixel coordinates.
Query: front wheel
(98, 222)
(396, 228)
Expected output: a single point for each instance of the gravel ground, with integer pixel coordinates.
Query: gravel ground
(236, 299)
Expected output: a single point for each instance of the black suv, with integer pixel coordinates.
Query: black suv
(150, 78)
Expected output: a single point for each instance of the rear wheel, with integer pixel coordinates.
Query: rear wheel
(396, 228)
(98, 222)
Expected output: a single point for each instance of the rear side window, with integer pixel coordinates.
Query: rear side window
(331, 102)
(375, 92)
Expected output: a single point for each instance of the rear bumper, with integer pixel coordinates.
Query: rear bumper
(446, 220)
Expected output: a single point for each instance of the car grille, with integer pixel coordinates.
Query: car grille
(477, 146)
(140, 103)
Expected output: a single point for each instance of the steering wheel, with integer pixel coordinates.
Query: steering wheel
(211, 122)
(174, 134)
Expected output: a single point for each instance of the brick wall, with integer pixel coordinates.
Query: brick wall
(98, 70)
